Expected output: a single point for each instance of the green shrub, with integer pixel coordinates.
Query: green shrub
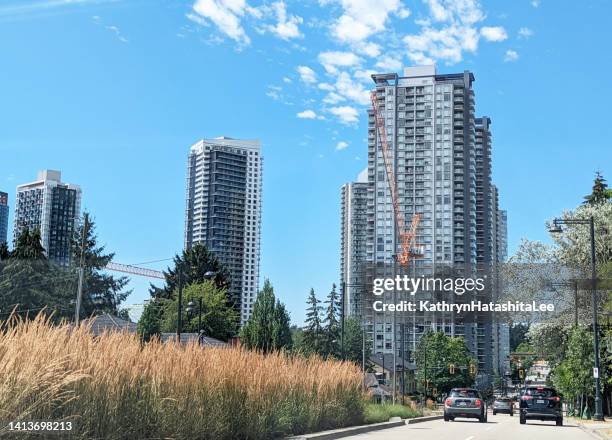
(374, 413)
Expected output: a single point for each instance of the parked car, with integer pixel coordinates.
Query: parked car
(540, 403)
(503, 405)
(465, 402)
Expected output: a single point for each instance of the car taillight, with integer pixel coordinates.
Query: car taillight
(449, 402)
(555, 399)
(526, 398)
(477, 402)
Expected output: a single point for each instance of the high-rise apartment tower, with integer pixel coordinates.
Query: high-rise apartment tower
(53, 207)
(224, 179)
(440, 153)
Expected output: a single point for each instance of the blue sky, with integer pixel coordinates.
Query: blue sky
(113, 93)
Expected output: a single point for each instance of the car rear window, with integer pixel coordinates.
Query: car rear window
(503, 400)
(540, 392)
(472, 394)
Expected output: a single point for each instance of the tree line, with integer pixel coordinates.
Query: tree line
(31, 283)
(565, 346)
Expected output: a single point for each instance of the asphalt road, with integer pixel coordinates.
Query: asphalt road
(499, 427)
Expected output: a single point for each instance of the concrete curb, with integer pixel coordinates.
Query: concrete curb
(592, 432)
(423, 419)
(345, 432)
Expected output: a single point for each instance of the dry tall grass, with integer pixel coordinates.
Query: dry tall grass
(111, 387)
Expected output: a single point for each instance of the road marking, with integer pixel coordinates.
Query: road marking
(470, 437)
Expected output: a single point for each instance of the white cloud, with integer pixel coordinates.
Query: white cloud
(115, 30)
(535, 3)
(346, 114)
(22, 9)
(326, 86)
(525, 32)
(307, 75)
(447, 44)
(363, 18)
(334, 59)
(451, 11)
(450, 30)
(287, 80)
(226, 15)
(333, 98)
(341, 146)
(493, 33)
(365, 75)
(369, 49)
(287, 26)
(389, 64)
(511, 55)
(307, 114)
(352, 90)
(274, 92)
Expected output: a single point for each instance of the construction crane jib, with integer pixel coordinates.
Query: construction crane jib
(407, 237)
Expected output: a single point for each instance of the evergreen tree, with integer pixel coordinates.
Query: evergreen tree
(102, 293)
(28, 245)
(268, 328)
(197, 263)
(353, 342)
(600, 193)
(29, 284)
(312, 339)
(149, 324)
(4, 251)
(331, 323)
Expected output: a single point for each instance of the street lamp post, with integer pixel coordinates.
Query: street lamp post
(556, 228)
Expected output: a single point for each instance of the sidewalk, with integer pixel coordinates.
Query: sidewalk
(601, 430)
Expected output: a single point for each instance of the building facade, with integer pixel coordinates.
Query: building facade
(4, 217)
(54, 208)
(354, 204)
(223, 211)
(441, 159)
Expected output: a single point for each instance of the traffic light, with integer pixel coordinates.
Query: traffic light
(521, 373)
(472, 369)
(451, 369)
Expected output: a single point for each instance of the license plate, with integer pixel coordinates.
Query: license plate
(540, 401)
(462, 404)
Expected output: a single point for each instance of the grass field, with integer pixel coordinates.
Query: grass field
(112, 387)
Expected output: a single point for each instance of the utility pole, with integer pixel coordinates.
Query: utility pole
(575, 303)
(598, 415)
(403, 329)
(77, 309)
(200, 315)
(342, 314)
(180, 304)
(394, 334)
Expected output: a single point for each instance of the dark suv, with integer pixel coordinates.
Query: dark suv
(540, 403)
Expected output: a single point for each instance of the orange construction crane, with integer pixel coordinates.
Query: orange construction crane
(407, 238)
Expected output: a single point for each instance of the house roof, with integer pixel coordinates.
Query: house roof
(109, 323)
(387, 363)
(193, 337)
